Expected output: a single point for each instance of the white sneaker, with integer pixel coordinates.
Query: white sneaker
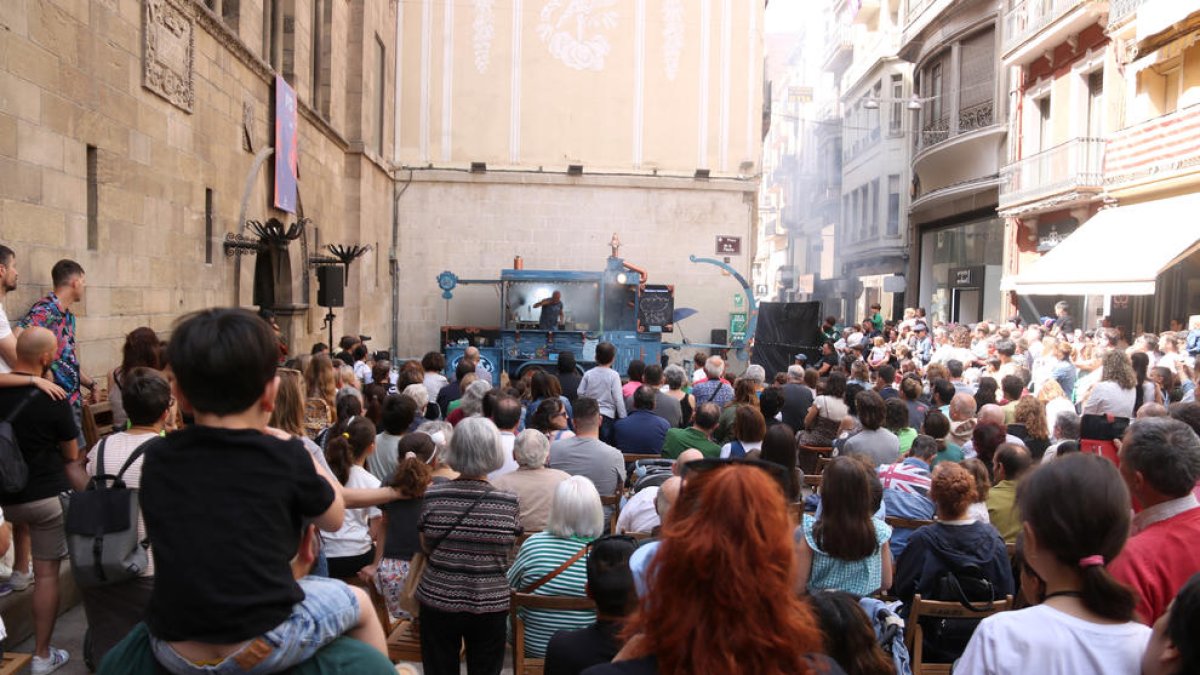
(57, 659)
(20, 580)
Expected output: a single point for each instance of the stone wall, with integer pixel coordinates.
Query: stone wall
(71, 76)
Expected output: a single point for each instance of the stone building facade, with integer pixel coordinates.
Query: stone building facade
(134, 135)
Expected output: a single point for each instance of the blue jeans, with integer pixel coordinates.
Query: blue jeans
(329, 609)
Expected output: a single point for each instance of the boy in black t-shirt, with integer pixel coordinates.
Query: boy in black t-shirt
(223, 502)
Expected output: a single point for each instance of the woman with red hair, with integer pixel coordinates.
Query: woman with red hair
(720, 596)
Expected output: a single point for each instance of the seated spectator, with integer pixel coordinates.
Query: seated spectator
(849, 635)
(779, 447)
(643, 512)
(399, 540)
(906, 490)
(1055, 399)
(568, 375)
(910, 392)
(874, 442)
(895, 420)
(634, 370)
(1076, 518)
(113, 610)
(433, 363)
(398, 415)
(990, 414)
(745, 392)
(770, 404)
(550, 418)
(955, 545)
(1029, 417)
(748, 431)
(845, 548)
(454, 390)
(714, 389)
(420, 396)
(586, 455)
(610, 586)
(471, 403)
(464, 592)
(665, 405)
(698, 436)
(1066, 430)
(532, 482)
(1160, 462)
(505, 412)
(691, 619)
(986, 439)
(961, 413)
(544, 386)
(1010, 465)
(135, 654)
(675, 378)
(937, 427)
(825, 417)
(224, 362)
(983, 486)
(576, 518)
(641, 432)
(1173, 649)
(1013, 388)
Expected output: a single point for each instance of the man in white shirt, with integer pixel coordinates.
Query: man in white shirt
(8, 282)
(642, 513)
(507, 416)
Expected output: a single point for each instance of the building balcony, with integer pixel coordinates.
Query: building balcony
(839, 49)
(1120, 11)
(919, 15)
(1068, 173)
(1160, 151)
(1032, 27)
(937, 131)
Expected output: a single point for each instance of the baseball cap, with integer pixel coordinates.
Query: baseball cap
(801, 357)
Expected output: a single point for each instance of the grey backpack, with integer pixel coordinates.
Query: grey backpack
(101, 526)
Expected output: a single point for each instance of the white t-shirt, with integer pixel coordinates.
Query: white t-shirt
(1109, 397)
(117, 449)
(507, 441)
(1045, 641)
(5, 331)
(639, 514)
(353, 538)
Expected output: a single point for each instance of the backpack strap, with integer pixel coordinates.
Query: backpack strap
(12, 415)
(100, 456)
(132, 458)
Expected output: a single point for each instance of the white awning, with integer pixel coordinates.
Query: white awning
(1120, 251)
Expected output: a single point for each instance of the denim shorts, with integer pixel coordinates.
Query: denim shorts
(328, 610)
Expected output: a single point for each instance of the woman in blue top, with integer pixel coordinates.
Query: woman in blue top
(545, 386)
(846, 548)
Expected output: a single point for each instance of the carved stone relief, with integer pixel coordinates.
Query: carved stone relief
(168, 49)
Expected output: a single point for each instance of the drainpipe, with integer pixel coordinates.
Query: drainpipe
(394, 261)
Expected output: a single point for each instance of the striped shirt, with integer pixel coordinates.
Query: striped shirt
(540, 555)
(465, 573)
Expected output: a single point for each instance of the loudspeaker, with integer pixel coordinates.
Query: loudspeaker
(719, 336)
(330, 284)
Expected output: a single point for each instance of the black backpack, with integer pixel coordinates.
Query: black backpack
(14, 473)
(946, 639)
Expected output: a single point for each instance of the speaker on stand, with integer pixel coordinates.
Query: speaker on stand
(331, 286)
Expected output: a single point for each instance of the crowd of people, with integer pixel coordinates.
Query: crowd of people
(288, 501)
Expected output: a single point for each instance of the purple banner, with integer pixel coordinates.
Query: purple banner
(286, 151)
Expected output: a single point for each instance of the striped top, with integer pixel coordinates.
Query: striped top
(860, 577)
(466, 571)
(540, 555)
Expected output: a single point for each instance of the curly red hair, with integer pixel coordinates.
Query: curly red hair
(729, 524)
(952, 488)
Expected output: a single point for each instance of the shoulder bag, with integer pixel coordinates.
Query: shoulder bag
(556, 571)
(416, 566)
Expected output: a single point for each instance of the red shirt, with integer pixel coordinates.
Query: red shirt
(1158, 561)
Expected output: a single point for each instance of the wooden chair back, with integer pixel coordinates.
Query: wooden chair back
(807, 457)
(914, 638)
(631, 457)
(906, 523)
(813, 483)
(613, 502)
(530, 666)
(97, 422)
(404, 644)
(823, 462)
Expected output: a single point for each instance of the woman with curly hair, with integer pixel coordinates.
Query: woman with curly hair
(321, 379)
(951, 544)
(1116, 393)
(694, 618)
(1029, 419)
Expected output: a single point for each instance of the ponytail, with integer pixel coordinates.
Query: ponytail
(1104, 595)
(337, 453)
(414, 473)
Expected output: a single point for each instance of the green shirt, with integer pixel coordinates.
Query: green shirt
(1002, 510)
(952, 453)
(906, 435)
(678, 440)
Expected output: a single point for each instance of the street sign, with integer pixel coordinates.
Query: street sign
(727, 245)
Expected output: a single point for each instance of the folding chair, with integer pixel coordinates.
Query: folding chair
(942, 610)
(528, 666)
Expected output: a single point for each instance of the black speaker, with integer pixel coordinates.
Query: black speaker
(330, 284)
(719, 336)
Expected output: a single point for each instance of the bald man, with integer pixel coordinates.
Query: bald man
(643, 512)
(472, 354)
(45, 430)
(962, 419)
(990, 414)
(1152, 410)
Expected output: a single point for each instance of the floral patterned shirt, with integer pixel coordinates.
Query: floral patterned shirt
(49, 313)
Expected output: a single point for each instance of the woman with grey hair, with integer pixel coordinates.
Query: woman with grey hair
(467, 529)
(576, 519)
(471, 404)
(676, 377)
(420, 395)
(533, 483)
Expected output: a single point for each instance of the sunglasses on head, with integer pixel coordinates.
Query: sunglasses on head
(779, 473)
